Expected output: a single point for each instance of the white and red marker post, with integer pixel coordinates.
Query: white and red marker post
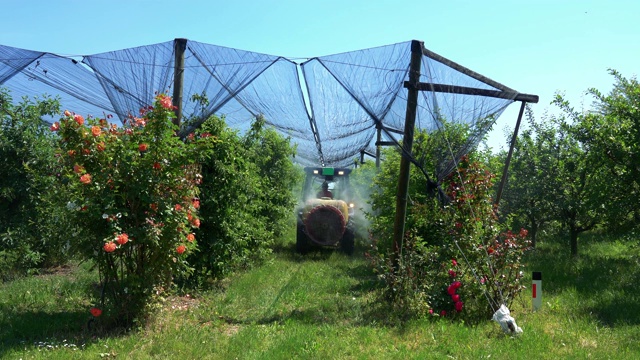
(536, 290)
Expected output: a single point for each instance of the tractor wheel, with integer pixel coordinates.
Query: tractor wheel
(347, 244)
(302, 241)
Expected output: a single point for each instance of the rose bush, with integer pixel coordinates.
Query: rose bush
(457, 260)
(135, 191)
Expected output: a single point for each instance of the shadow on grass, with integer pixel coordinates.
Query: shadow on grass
(316, 253)
(359, 304)
(605, 281)
(42, 329)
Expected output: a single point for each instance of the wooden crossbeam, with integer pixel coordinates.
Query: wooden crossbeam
(454, 89)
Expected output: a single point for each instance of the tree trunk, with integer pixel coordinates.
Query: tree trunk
(573, 240)
(534, 233)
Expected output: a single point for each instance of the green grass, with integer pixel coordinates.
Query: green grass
(326, 306)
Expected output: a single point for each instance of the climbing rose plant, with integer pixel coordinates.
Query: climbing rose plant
(458, 260)
(135, 195)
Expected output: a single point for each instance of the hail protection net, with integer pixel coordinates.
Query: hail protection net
(28, 73)
(354, 94)
(351, 96)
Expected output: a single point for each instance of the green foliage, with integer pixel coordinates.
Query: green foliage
(30, 231)
(272, 154)
(135, 194)
(432, 152)
(246, 199)
(232, 234)
(556, 176)
(579, 168)
(532, 177)
(612, 131)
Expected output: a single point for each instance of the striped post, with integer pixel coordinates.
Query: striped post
(536, 290)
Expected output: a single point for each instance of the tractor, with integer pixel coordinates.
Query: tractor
(325, 218)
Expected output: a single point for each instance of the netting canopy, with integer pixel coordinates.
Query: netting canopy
(333, 107)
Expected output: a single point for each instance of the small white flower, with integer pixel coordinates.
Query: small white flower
(104, 216)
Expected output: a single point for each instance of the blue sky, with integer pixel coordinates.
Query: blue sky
(536, 47)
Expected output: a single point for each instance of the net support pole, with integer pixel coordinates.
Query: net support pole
(379, 130)
(505, 171)
(407, 144)
(179, 47)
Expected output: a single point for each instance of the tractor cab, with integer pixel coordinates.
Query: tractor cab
(337, 180)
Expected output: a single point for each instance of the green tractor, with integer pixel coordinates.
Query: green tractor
(325, 218)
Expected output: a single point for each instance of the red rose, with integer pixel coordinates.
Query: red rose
(451, 290)
(95, 311)
(143, 147)
(459, 306)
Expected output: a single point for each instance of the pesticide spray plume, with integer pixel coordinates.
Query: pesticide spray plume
(362, 188)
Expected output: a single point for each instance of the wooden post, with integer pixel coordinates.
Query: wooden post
(407, 144)
(511, 147)
(179, 47)
(379, 129)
